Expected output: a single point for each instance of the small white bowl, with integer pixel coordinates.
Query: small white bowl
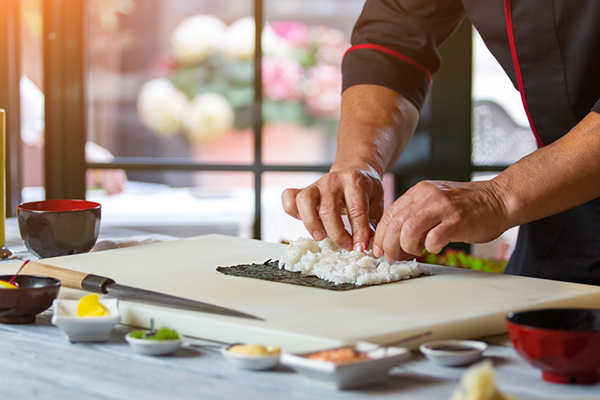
(350, 375)
(154, 347)
(452, 353)
(245, 361)
(85, 329)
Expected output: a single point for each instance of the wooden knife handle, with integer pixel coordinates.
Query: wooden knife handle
(69, 278)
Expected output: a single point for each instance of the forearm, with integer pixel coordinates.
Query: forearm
(554, 178)
(375, 126)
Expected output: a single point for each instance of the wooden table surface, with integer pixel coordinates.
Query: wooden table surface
(38, 362)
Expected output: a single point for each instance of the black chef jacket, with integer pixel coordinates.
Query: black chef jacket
(550, 49)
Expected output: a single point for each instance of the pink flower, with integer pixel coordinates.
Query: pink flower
(163, 65)
(327, 36)
(282, 79)
(293, 32)
(331, 44)
(324, 90)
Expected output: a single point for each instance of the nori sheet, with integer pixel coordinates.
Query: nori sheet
(269, 271)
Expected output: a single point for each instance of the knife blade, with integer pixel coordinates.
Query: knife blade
(103, 285)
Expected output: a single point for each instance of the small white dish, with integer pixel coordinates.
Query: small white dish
(245, 361)
(452, 353)
(85, 329)
(349, 375)
(154, 347)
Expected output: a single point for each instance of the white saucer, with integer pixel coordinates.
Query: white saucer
(253, 362)
(154, 347)
(453, 352)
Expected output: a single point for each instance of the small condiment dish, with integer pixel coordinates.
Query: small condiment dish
(252, 362)
(366, 371)
(450, 353)
(85, 329)
(154, 347)
(34, 295)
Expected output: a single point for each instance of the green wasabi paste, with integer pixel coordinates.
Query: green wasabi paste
(161, 334)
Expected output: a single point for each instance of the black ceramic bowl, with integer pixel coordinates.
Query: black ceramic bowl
(34, 295)
(52, 228)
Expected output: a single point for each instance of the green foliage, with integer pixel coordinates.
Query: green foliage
(279, 111)
(231, 79)
(460, 259)
(234, 79)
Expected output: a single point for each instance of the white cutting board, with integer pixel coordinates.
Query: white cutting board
(453, 303)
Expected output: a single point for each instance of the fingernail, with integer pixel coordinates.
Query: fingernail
(358, 247)
(348, 247)
(377, 251)
(318, 235)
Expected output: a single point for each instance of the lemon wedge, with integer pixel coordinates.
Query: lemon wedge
(90, 306)
(6, 285)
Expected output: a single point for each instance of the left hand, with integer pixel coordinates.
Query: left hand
(434, 213)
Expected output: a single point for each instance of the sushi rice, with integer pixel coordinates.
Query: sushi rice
(330, 262)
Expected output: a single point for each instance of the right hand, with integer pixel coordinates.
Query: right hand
(320, 206)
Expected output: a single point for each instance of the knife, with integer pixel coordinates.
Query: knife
(102, 285)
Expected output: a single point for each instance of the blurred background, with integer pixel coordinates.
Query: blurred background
(167, 113)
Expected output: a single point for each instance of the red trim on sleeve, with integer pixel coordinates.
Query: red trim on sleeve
(393, 53)
(513, 50)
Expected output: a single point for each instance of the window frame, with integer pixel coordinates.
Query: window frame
(65, 76)
(10, 99)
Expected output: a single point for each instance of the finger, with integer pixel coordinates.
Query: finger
(414, 231)
(381, 231)
(288, 200)
(375, 213)
(438, 237)
(391, 246)
(391, 219)
(330, 214)
(358, 209)
(405, 234)
(307, 202)
(401, 256)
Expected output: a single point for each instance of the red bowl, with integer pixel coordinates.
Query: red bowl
(52, 228)
(563, 343)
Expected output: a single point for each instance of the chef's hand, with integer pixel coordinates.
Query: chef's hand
(376, 124)
(434, 213)
(357, 192)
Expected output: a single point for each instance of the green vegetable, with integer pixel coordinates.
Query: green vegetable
(165, 334)
(162, 334)
(137, 334)
(460, 259)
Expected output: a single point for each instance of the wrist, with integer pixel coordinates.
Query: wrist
(510, 201)
(370, 167)
(354, 152)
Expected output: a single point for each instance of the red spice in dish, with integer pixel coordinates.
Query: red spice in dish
(343, 355)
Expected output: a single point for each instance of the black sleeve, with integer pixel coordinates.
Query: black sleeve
(395, 44)
(596, 107)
